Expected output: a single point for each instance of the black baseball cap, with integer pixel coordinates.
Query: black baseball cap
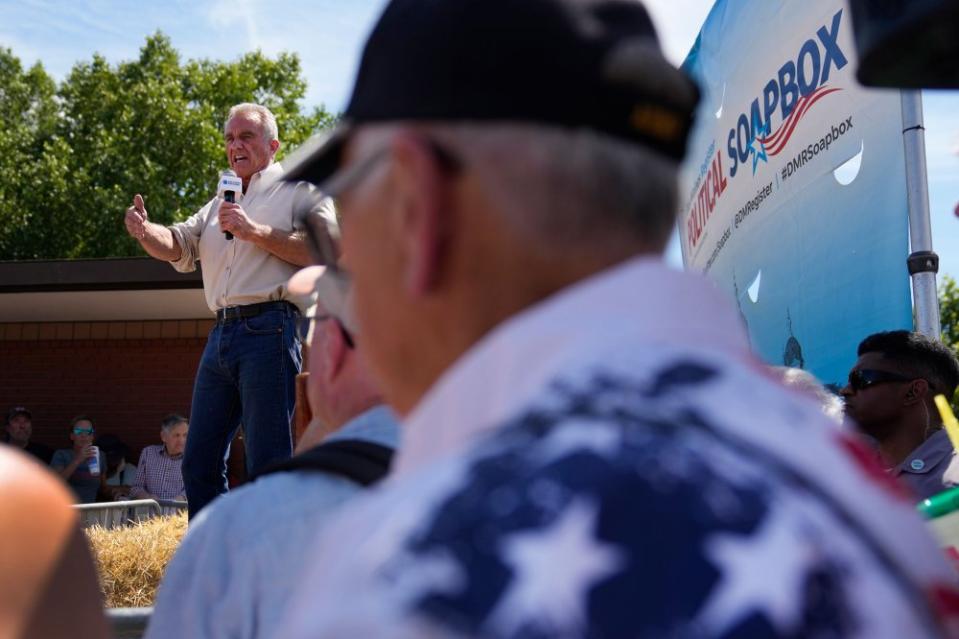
(18, 410)
(592, 64)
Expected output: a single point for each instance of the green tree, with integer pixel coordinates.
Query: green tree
(949, 318)
(949, 311)
(151, 126)
(30, 153)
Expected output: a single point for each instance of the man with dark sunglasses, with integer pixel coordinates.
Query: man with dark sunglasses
(890, 396)
(76, 465)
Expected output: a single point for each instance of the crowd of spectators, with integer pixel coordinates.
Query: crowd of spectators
(96, 467)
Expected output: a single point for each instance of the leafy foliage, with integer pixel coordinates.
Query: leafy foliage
(949, 319)
(75, 155)
(949, 311)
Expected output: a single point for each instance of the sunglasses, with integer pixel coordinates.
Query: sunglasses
(304, 326)
(82, 431)
(864, 378)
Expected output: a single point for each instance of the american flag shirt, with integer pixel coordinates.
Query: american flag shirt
(614, 463)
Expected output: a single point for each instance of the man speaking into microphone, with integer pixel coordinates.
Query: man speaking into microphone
(249, 249)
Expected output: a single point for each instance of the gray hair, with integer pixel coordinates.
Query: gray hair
(569, 187)
(806, 382)
(170, 421)
(264, 115)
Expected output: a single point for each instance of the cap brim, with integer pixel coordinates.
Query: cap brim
(303, 281)
(330, 293)
(317, 158)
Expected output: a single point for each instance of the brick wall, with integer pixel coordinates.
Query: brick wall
(125, 375)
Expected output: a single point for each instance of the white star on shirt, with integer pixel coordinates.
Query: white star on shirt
(764, 571)
(578, 436)
(554, 569)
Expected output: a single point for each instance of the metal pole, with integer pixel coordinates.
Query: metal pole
(923, 262)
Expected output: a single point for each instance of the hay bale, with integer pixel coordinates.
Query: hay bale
(131, 560)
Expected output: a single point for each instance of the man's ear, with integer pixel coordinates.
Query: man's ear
(422, 224)
(274, 147)
(333, 349)
(917, 391)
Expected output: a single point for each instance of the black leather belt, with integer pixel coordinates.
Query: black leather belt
(231, 313)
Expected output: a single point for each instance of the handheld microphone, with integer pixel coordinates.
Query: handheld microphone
(229, 185)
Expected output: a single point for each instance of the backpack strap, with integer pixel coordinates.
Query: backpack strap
(360, 461)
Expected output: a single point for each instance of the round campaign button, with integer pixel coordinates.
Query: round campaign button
(917, 464)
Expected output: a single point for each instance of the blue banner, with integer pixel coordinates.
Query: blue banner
(794, 188)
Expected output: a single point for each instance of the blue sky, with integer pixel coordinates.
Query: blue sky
(328, 35)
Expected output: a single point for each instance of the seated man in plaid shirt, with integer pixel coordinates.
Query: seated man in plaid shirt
(158, 473)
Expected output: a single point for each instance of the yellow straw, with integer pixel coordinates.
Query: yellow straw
(948, 420)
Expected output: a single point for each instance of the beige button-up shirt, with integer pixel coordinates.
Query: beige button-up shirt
(236, 273)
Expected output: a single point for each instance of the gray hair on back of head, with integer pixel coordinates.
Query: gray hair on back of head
(170, 421)
(806, 382)
(261, 113)
(569, 187)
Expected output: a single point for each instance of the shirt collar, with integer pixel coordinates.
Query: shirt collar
(639, 301)
(163, 453)
(263, 178)
(378, 424)
(927, 455)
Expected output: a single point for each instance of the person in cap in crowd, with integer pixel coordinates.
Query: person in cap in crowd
(249, 249)
(235, 570)
(48, 582)
(18, 429)
(82, 466)
(589, 447)
(890, 395)
(159, 473)
(120, 473)
(805, 382)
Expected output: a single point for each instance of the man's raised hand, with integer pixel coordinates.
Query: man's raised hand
(136, 218)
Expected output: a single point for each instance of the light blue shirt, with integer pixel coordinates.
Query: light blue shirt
(232, 576)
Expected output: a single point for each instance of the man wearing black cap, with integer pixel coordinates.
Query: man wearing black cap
(17, 432)
(589, 449)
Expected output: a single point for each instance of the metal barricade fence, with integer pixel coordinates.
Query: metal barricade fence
(129, 623)
(112, 514)
(171, 506)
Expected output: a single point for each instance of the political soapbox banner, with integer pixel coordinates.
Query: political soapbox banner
(793, 195)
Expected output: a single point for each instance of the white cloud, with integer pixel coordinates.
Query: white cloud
(226, 15)
(678, 23)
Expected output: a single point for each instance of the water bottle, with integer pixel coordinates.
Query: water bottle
(94, 461)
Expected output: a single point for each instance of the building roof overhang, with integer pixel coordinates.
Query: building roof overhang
(110, 289)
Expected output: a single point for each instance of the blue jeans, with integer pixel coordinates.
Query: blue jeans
(246, 376)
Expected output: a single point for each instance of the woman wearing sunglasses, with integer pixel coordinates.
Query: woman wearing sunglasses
(83, 465)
